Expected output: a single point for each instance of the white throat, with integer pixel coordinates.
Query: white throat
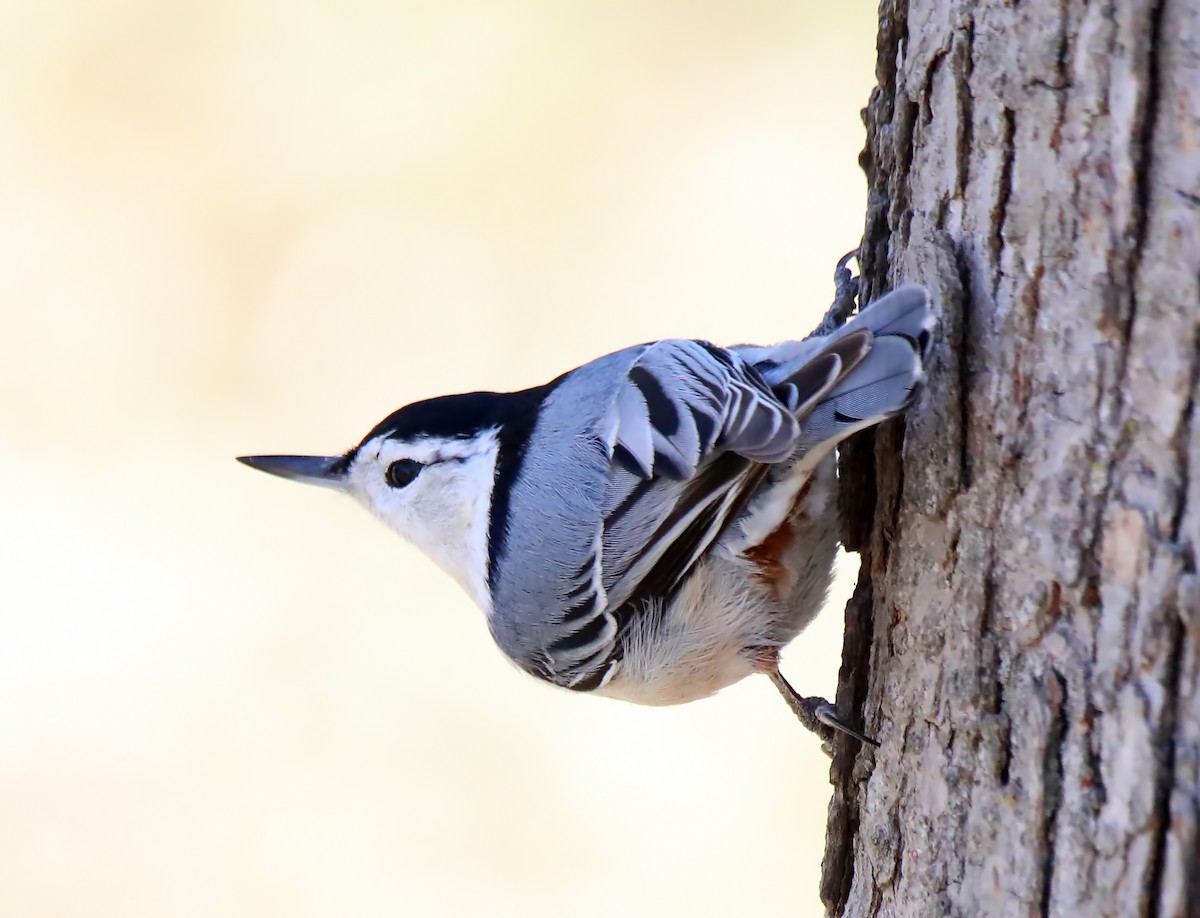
(445, 511)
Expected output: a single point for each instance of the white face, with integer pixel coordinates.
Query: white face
(444, 509)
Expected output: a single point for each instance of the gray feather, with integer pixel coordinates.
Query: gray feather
(888, 377)
(657, 417)
(665, 444)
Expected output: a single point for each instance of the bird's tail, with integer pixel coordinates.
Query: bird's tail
(876, 363)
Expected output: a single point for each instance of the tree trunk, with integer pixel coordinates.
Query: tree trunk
(1025, 638)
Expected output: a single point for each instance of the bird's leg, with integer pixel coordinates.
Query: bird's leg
(845, 297)
(815, 713)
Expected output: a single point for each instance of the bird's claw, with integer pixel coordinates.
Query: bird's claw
(845, 297)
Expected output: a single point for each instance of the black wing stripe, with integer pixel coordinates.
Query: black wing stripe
(588, 634)
(593, 680)
(706, 429)
(581, 610)
(719, 354)
(579, 590)
(628, 461)
(663, 413)
(631, 500)
(668, 466)
(585, 569)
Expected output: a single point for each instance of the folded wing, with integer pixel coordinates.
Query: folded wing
(690, 435)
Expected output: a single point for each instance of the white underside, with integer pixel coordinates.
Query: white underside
(726, 612)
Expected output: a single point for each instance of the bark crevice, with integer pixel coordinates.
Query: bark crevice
(1052, 780)
(1164, 753)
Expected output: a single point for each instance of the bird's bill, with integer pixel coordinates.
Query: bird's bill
(324, 471)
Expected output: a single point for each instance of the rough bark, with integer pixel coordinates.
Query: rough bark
(1025, 639)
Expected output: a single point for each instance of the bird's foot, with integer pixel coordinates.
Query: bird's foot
(814, 712)
(845, 297)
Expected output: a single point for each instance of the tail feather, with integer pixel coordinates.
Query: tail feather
(868, 370)
(880, 384)
(890, 358)
(905, 312)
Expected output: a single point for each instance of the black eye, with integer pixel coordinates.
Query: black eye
(402, 472)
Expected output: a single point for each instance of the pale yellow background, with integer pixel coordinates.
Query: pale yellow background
(259, 226)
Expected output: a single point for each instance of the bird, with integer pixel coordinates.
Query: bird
(658, 523)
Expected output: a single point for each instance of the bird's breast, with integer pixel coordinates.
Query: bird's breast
(698, 644)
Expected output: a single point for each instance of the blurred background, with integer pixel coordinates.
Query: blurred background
(260, 226)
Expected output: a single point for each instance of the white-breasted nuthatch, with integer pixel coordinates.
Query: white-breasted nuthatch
(656, 524)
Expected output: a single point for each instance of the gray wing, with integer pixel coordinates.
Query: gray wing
(689, 435)
(684, 404)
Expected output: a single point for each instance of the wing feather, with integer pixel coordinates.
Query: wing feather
(686, 441)
(693, 428)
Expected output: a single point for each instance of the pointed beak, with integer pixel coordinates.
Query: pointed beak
(325, 471)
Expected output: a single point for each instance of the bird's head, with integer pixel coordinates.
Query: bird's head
(428, 471)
